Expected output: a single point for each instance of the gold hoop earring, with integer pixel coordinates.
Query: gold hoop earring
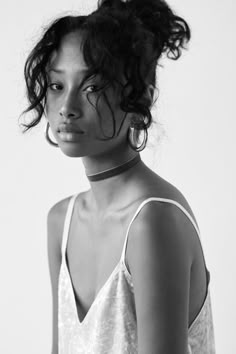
(46, 133)
(131, 139)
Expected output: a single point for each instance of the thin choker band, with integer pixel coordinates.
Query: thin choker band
(115, 170)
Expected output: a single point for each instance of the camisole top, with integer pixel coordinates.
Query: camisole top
(110, 326)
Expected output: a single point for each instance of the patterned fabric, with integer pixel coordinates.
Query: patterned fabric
(110, 326)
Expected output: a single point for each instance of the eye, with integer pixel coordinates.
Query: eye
(55, 87)
(94, 88)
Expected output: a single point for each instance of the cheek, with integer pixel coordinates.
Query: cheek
(105, 117)
(52, 116)
(51, 108)
(111, 120)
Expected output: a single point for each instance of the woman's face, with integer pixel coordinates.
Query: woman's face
(66, 103)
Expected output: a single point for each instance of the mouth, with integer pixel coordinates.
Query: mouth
(70, 137)
(69, 129)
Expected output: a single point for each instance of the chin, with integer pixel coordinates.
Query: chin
(71, 151)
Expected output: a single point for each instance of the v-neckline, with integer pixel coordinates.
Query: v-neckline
(120, 263)
(113, 273)
(80, 323)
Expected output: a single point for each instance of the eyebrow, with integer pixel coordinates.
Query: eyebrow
(60, 71)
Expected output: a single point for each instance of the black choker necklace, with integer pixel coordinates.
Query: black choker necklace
(115, 170)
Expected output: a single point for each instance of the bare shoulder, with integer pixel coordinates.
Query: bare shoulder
(164, 226)
(160, 265)
(164, 189)
(55, 220)
(165, 221)
(59, 207)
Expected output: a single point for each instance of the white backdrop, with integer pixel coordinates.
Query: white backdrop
(194, 150)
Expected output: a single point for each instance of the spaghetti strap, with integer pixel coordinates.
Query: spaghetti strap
(161, 200)
(67, 222)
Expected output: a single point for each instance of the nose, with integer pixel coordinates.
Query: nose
(69, 109)
(67, 113)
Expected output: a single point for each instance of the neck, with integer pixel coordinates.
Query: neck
(107, 194)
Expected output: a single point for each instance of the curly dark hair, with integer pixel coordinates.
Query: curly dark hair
(131, 36)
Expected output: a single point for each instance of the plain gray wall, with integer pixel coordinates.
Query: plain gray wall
(194, 148)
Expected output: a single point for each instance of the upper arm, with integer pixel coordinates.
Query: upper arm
(160, 265)
(54, 238)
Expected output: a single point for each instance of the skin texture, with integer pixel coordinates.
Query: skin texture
(160, 264)
(66, 103)
(162, 316)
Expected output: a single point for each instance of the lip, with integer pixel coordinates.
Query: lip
(68, 128)
(69, 137)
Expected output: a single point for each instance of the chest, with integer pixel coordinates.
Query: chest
(93, 251)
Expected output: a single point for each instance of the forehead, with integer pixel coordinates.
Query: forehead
(69, 56)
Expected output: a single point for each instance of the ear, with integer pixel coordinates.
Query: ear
(45, 111)
(149, 94)
(147, 98)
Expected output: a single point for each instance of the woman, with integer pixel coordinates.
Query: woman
(126, 263)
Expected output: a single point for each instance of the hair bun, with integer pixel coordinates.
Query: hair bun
(170, 31)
